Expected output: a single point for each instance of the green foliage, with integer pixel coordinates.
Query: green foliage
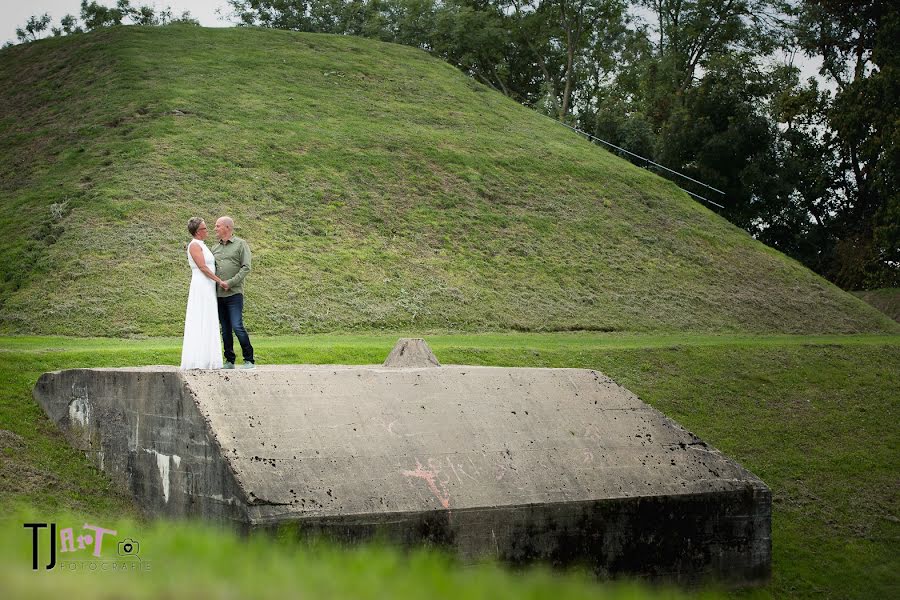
(33, 27)
(809, 415)
(96, 16)
(805, 171)
(378, 187)
(857, 44)
(67, 25)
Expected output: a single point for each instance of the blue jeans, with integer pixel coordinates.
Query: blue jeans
(231, 318)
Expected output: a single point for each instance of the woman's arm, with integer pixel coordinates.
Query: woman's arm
(197, 255)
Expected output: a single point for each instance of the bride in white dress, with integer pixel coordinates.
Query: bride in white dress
(202, 346)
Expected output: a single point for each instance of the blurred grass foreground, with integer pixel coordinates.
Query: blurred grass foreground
(191, 560)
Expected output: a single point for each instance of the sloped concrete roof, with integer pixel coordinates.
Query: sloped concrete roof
(319, 440)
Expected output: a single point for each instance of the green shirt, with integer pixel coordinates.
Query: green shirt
(232, 265)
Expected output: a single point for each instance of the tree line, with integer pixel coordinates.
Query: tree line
(709, 88)
(94, 16)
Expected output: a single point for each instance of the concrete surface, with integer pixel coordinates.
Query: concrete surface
(521, 464)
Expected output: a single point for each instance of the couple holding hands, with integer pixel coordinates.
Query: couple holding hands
(216, 298)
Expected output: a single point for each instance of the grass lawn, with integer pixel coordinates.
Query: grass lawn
(814, 417)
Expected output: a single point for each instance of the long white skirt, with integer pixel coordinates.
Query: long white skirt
(202, 345)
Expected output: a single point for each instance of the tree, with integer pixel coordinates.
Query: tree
(799, 219)
(687, 34)
(474, 37)
(594, 23)
(557, 34)
(690, 91)
(95, 15)
(856, 41)
(67, 25)
(276, 14)
(33, 27)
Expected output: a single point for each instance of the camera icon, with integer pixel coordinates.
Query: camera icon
(128, 547)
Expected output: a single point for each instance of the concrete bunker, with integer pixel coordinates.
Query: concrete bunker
(519, 464)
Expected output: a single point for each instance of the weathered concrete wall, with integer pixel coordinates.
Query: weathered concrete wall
(143, 428)
(558, 465)
(688, 538)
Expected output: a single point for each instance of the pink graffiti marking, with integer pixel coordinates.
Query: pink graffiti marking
(429, 476)
(457, 469)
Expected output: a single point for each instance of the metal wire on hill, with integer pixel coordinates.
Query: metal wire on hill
(648, 161)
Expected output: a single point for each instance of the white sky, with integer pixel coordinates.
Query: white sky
(14, 13)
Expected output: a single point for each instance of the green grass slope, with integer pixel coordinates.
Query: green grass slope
(887, 300)
(379, 189)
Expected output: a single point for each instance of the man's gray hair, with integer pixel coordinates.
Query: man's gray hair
(227, 221)
(194, 224)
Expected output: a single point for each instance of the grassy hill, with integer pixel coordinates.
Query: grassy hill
(379, 189)
(887, 300)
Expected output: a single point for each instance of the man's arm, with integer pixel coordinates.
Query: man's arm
(245, 266)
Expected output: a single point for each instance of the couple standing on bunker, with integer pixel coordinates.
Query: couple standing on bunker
(216, 298)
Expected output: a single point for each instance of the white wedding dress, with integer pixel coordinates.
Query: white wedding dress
(202, 346)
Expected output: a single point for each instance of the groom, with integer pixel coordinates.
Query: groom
(232, 265)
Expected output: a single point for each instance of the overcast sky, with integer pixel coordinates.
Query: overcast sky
(14, 13)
